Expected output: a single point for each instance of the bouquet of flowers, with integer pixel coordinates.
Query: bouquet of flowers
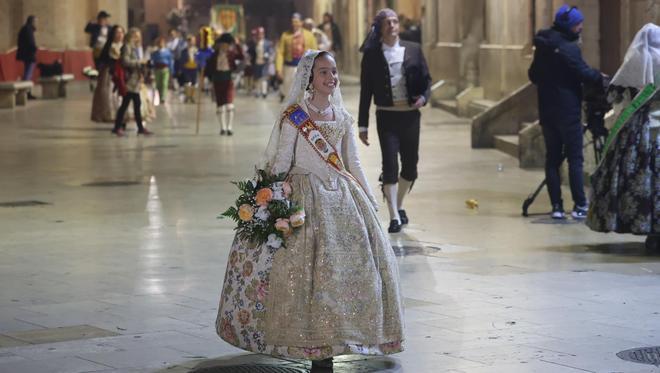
(263, 210)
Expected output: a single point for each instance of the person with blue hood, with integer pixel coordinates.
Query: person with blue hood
(559, 72)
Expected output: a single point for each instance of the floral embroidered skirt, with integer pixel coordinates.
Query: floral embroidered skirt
(332, 290)
(626, 185)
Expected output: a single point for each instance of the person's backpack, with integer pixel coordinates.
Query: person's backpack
(49, 70)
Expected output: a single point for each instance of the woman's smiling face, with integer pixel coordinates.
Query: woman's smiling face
(325, 75)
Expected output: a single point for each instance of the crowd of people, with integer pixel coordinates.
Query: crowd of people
(129, 72)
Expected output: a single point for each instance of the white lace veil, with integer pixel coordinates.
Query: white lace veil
(297, 95)
(641, 64)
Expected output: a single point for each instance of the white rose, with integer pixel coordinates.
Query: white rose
(262, 213)
(274, 241)
(278, 192)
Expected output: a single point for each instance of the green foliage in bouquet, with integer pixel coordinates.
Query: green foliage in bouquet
(270, 224)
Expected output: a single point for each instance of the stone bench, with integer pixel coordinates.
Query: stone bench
(54, 86)
(14, 93)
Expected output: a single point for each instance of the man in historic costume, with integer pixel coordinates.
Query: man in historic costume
(219, 69)
(395, 73)
(290, 49)
(98, 34)
(559, 71)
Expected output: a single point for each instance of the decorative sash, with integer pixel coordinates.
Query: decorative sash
(640, 100)
(313, 135)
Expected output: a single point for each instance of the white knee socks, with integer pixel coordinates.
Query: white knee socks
(391, 194)
(404, 188)
(227, 121)
(230, 119)
(220, 112)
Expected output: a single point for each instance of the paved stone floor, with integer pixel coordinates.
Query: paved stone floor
(121, 270)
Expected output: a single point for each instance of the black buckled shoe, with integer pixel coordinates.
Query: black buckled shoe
(322, 364)
(395, 226)
(652, 244)
(403, 217)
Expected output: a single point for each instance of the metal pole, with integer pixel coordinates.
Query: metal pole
(200, 79)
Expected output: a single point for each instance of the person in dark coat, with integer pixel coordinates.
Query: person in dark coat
(98, 35)
(27, 49)
(559, 72)
(395, 74)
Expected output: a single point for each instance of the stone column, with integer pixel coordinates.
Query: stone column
(503, 59)
(54, 24)
(11, 20)
(118, 9)
(351, 17)
(442, 39)
(61, 23)
(320, 7)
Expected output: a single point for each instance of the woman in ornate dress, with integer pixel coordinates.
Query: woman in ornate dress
(332, 289)
(626, 184)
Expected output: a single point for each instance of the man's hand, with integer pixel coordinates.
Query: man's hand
(364, 137)
(419, 102)
(279, 76)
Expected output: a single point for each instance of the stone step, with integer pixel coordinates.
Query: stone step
(524, 125)
(479, 106)
(508, 144)
(448, 105)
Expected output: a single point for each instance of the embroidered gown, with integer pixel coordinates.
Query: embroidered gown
(626, 186)
(333, 289)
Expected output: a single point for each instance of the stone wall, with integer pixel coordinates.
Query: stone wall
(502, 32)
(156, 11)
(60, 23)
(502, 55)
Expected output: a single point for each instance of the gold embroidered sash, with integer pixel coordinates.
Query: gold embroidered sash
(313, 135)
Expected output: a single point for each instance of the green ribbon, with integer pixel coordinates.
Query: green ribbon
(640, 100)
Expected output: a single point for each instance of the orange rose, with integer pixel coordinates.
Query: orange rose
(264, 195)
(245, 212)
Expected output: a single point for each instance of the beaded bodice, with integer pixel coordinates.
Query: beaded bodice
(331, 130)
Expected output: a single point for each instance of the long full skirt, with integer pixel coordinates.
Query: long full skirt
(332, 290)
(104, 103)
(626, 186)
